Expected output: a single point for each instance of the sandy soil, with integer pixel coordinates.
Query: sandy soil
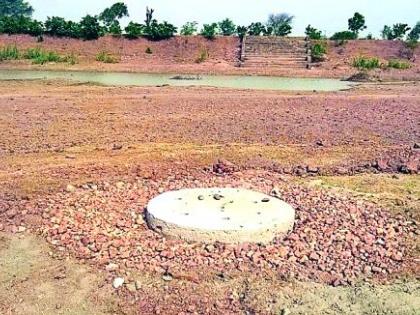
(79, 162)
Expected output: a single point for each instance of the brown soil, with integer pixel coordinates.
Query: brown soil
(179, 55)
(79, 162)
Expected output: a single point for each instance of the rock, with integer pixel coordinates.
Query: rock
(131, 287)
(223, 166)
(11, 214)
(70, 188)
(70, 157)
(285, 311)
(120, 185)
(217, 197)
(111, 267)
(118, 283)
(416, 145)
(167, 277)
(201, 197)
(117, 146)
(312, 169)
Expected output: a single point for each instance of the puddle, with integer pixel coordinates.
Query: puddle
(151, 79)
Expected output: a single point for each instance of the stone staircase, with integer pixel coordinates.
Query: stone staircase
(275, 52)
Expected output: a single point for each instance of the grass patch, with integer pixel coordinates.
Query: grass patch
(10, 52)
(203, 55)
(106, 57)
(398, 64)
(366, 63)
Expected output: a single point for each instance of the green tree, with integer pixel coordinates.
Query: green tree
(256, 29)
(114, 13)
(357, 23)
(20, 25)
(209, 31)
(414, 35)
(134, 30)
(397, 31)
(281, 23)
(90, 28)
(115, 28)
(227, 27)
(15, 8)
(313, 33)
(241, 31)
(56, 26)
(189, 28)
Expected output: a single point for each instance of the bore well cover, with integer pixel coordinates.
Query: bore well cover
(226, 215)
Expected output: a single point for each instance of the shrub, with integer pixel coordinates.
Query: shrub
(227, 27)
(209, 31)
(189, 28)
(10, 52)
(71, 59)
(40, 56)
(149, 50)
(204, 54)
(134, 30)
(281, 24)
(366, 63)
(398, 64)
(313, 33)
(106, 57)
(345, 35)
(159, 31)
(318, 51)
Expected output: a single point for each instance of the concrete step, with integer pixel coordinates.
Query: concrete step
(260, 59)
(285, 55)
(280, 65)
(276, 50)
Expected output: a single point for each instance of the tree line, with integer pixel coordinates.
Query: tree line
(16, 18)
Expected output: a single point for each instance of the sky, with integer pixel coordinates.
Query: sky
(327, 15)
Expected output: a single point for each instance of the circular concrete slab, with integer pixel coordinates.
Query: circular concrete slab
(226, 215)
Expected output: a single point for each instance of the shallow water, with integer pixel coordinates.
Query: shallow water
(151, 79)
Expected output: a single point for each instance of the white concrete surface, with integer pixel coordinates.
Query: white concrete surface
(226, 215)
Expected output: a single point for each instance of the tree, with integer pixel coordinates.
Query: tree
(256, 29)
(189, 28)
(227, 27)
(357, 23)
(114, 13)
(20, 25)
(90, 28)
(241, 31)
(313, 33)
(414, 35)
(115, 28)
(281, 23)
(134, 30)
(397, 31)
(209, 31)
(15, 8)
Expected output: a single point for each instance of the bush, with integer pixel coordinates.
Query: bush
(227, 27)
(134, 30)
(398, 64)
(40, 56)
(106, 57)
(10, 52)
(345, 35)
(209, 31)
(318, 51)
(313, 33)
(366, 63)
(204, 54)
(189, 28)
(149, 51)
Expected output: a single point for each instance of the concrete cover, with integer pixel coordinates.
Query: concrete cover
(225, 215)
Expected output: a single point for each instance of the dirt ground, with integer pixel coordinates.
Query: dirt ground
(178, 55)
(67, 146)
